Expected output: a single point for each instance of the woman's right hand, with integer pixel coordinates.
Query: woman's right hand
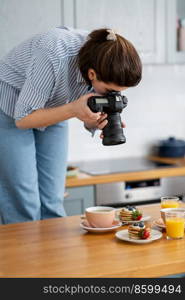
(82, 111)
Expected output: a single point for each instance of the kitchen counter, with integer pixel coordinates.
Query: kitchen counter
(84, 179)
(60, 248)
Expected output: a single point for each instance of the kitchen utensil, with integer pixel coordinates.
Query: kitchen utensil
(85, 225)
(171, 147)
(170, 202)
(72, 171)
(100, 216)
(123, 235)
(174, 221)
(165, 210)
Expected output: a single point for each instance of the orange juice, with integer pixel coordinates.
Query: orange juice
(175, 227)
(169, 204)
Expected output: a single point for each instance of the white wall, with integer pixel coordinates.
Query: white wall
(20, 19)
(156, 110)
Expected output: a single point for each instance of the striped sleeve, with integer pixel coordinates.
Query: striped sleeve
(91, 130)
(37, 88)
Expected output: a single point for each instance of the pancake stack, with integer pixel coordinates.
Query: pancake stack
(130, 213)
(138, 231)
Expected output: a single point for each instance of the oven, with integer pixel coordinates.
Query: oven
(139, 192)
(127, 192)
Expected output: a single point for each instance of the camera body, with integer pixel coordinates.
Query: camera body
(112, 104)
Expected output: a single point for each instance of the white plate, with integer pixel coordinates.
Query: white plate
(93, 229)
(162, 226)
(123, 235)
(155, 223)
(143, 219)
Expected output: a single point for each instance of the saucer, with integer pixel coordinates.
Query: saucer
(123, 235)
(160, 224)
(143, 219)
(85, 225)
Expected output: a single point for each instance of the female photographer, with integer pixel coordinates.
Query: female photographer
(45, 81)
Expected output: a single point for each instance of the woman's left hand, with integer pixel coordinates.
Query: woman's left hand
(98, 124)
(123, 125)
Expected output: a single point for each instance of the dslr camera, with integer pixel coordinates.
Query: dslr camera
(112, 104)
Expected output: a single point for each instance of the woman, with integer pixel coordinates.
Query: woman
(45, 81)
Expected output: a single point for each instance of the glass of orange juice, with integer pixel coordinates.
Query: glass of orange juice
(175, 221)
(169, 202)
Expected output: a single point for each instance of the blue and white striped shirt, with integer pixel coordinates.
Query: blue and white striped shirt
(42, 72)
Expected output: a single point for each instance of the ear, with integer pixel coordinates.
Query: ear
(91, 74)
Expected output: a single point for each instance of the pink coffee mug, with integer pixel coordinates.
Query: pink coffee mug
(100, 216)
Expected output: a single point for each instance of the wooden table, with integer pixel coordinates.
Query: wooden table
(60, 248)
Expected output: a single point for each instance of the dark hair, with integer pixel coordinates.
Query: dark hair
(114, 61)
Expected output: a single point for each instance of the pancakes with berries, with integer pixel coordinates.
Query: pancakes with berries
(138, 231)
(130, 213)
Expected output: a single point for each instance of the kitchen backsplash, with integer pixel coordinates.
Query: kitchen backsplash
(156, 110)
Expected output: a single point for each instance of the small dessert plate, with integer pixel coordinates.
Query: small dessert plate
(85, 225)
(143, 219)
(159, 223)
(123, 235)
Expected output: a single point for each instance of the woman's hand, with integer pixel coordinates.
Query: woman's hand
(98, 124)
(91, 120)
(83, 112)
(123, 125)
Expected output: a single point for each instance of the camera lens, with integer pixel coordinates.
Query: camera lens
(113, 132)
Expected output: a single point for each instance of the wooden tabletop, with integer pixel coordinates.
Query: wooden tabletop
(60, 248)
(177, 170)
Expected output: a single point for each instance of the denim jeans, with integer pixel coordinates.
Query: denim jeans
(32, 171)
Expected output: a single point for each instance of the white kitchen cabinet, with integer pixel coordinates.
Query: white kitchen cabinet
(78, 199)
(140, 21)
(21, 19)
(175, 31)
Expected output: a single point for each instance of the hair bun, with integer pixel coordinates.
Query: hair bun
(111, 35)
(100, 35)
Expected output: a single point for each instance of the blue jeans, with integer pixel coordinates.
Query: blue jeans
(32, 171)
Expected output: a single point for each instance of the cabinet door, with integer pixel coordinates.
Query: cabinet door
(176, 31)
(78, 199)
(173, 186)
(21, 19)
(140, 21)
